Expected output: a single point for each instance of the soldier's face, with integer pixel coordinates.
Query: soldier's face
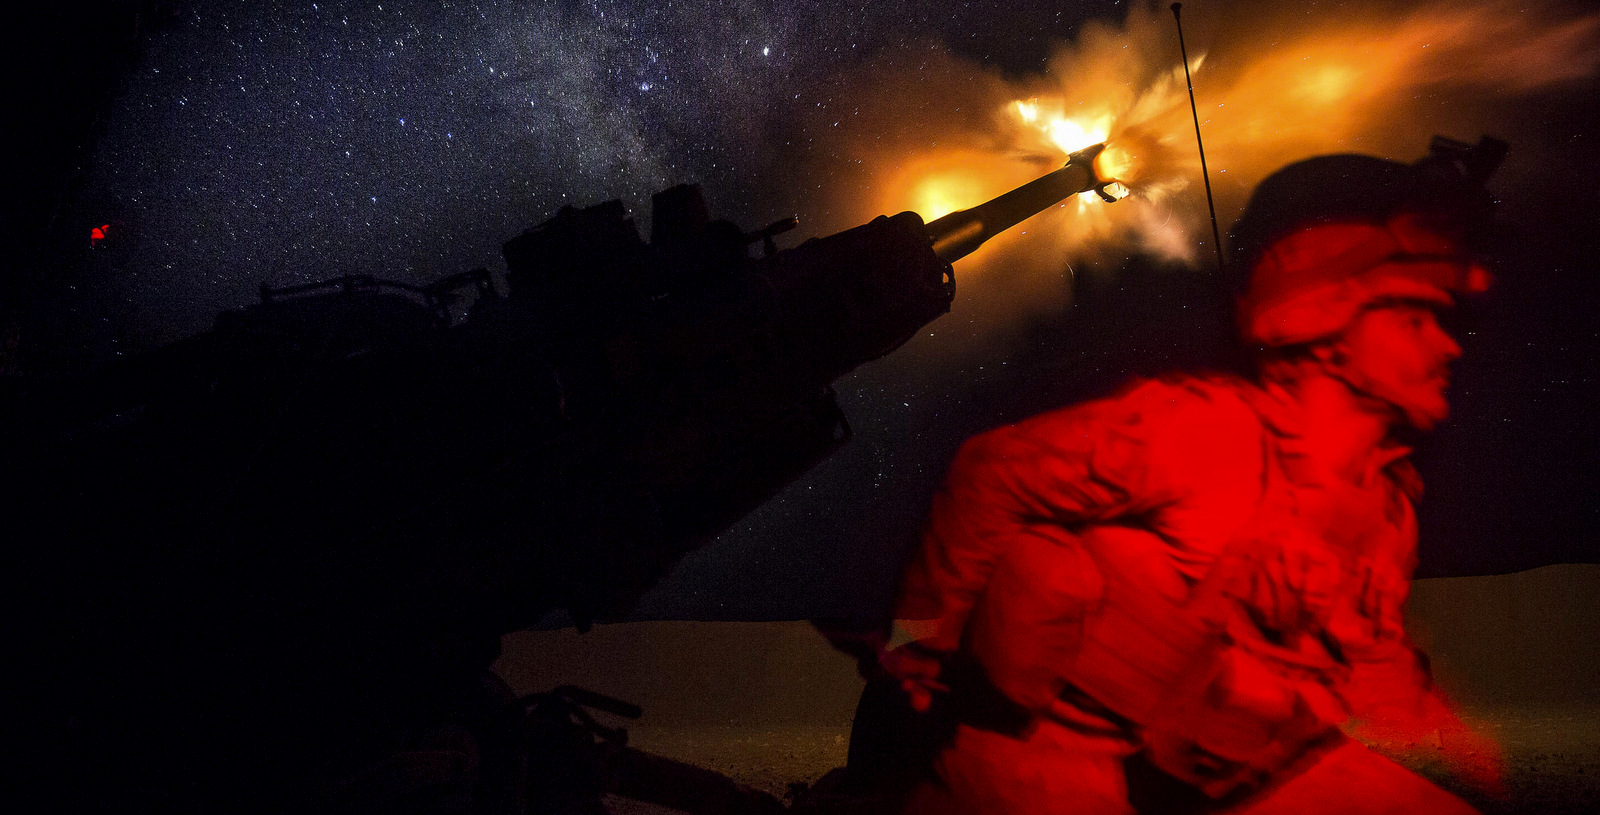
(1400, 354)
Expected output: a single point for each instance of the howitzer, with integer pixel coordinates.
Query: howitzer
(369, 492)
(710, 387)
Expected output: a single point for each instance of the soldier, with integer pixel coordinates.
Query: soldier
(1205, 574)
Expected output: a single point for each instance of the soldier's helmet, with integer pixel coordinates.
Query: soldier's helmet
(1323, 238)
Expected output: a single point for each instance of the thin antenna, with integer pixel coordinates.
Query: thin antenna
(1216, 234)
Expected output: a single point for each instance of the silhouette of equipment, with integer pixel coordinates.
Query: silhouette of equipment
(251, 560)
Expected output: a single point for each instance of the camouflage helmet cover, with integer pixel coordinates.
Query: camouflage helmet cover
(1323, 238)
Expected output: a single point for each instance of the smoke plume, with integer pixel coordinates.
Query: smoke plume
(933, 132)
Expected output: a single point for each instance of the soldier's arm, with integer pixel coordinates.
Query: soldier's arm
(1050, 469)
(1396, 706)
(1050, 478)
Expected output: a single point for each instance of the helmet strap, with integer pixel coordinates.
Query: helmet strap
(1333, 361)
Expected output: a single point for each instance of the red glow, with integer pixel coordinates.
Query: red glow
(98, 233)
(1206, 571)
(1478, 280)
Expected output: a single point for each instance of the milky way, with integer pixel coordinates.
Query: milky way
(408, 141)
(293, 142)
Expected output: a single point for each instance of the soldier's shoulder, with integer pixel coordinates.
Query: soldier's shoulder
(1174, 406)
(1186, 400)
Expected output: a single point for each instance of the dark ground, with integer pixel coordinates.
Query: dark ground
(769, 704)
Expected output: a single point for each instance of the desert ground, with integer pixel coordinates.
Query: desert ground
(769, 704)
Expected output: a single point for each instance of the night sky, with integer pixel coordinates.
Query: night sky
(247, 142)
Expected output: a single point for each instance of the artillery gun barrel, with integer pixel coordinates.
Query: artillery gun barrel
(958, 234)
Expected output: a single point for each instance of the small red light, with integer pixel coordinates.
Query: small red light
(1478, 280)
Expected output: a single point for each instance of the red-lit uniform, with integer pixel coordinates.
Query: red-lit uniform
(1064, 558)
(1208, 573)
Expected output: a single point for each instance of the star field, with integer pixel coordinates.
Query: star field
(288, 143)
(332, 138)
